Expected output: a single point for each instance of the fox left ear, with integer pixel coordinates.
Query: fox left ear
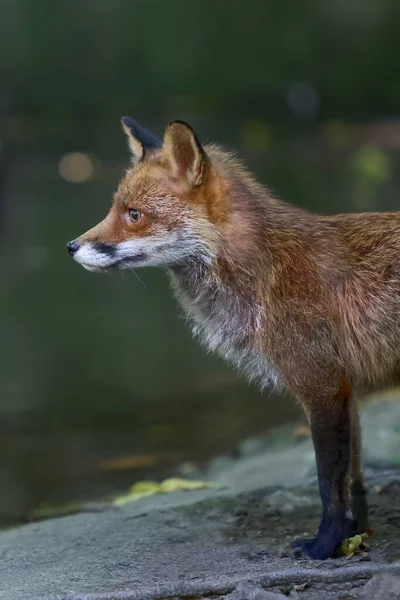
(139, 139)
(184, 152)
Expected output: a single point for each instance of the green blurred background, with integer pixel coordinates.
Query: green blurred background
(94, 367)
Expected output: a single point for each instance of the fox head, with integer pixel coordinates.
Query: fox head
(163, 213)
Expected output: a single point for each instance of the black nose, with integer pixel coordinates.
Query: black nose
(72, 247)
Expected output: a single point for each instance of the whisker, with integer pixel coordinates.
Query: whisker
(138, 278)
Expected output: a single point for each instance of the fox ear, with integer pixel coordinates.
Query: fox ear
(139, 139)
(184, 152)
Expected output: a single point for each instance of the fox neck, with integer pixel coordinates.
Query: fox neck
(225, 299)
(225, 318)
(241, 268)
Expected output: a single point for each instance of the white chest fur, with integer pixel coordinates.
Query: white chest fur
(226, 325)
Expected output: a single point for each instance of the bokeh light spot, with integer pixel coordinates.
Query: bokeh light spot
(303, 99)
(76, 167)
(255, 134)
(338, 134)
(372, 163)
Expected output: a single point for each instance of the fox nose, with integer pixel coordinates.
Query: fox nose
(72, 247)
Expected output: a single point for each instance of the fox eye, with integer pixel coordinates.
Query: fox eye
(135, 215)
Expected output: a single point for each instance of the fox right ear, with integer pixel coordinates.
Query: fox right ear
(139, 139)
(184, 152)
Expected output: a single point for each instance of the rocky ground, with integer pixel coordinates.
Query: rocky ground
(227, 543)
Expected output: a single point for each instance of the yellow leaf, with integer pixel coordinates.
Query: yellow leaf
(148, 488)
(352, 545)
(175, 485)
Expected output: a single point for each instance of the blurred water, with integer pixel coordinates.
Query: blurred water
(98, 367)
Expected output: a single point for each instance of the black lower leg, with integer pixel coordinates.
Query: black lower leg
(358, 492)
(359, 506)
(331, 433)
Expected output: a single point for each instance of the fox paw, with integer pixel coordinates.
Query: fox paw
(313, 548)
(331, 534)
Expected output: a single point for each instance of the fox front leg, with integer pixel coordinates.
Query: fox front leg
(331, 429)
(358, 491)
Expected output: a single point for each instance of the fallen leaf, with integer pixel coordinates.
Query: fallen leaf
(149, 488)
(355, 544)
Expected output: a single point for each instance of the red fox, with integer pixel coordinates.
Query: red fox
(302, 302)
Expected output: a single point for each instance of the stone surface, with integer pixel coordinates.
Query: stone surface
(214, 543)
(248, 591)
(386, 587)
